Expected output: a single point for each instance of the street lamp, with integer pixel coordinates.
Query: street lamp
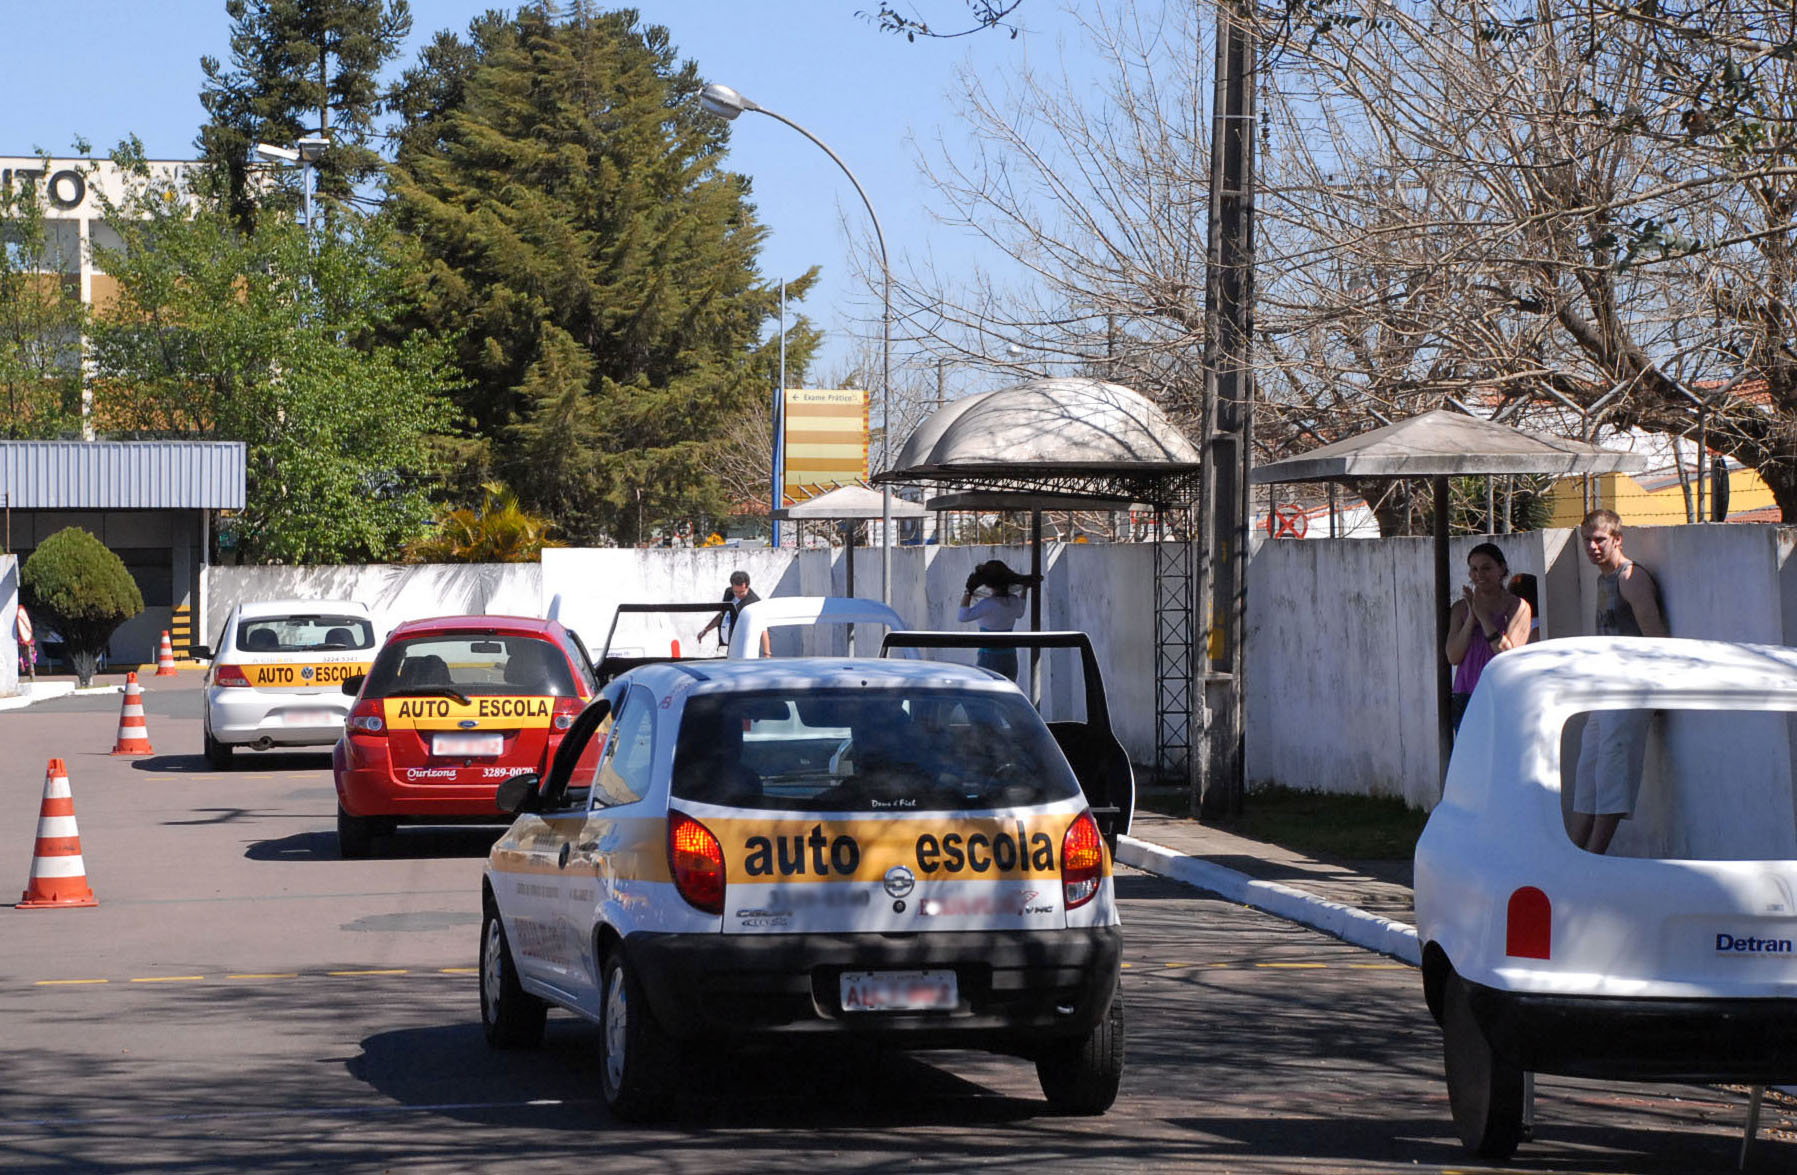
(306, 151)
(726, 104)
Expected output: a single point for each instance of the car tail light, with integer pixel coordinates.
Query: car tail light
(566, 710)
(1529, 925)
(229, 675)
(366, 718)
(697, 861)
(1082, 861)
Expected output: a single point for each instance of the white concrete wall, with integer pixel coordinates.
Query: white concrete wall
(1340, 639)
(9, 611)
(1106, 591)
(1339, 644)
(393, 592)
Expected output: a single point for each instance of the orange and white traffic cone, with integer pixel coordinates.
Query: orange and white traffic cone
(165, 658)
(58, 875)
(134, 733)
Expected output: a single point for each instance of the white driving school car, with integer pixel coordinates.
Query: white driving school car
(1670, 957)
(277, 674)
(726, 851)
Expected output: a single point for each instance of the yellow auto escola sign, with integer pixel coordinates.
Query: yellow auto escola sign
(959, 848)
(446, 713)
(289, 675)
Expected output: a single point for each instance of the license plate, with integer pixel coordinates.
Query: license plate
(467, 744)
(313, 717)
(899, 991)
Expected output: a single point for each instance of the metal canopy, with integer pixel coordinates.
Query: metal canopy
(847, 502)
(1439, 445)
(1446, 444)
(1012, 500)
(1057, 436)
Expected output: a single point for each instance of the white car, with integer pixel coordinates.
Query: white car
(810, 612)
(738, 850)
(277, 674)
(1669, 958)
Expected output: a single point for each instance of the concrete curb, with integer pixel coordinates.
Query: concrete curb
(1347, 923)
(43, 691)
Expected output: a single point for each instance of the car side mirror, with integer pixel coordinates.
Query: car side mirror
(519, 793)
(200, 652)
(353, 685)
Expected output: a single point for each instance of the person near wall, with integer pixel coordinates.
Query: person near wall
(1615, 741)
(1485, 621)
(1522, 585)
(738, 596)
(998, 609)
(27, 640)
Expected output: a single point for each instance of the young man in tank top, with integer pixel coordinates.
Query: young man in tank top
(1628, 604)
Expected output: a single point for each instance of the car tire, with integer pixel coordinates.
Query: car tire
(355, 835)
(1485, 1091)
(511, 1017)
(638, 1062)
(218, 755)
(1080, 1075)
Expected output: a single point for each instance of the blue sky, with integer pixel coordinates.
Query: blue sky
(103, 69)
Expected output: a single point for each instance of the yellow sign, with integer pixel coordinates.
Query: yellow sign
(825, 440)
(445, 713)
(288, 675)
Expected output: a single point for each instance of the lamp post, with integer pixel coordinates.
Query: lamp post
(306, 151)
(726, 103)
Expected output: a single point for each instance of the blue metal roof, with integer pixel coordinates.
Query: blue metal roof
(122, 475)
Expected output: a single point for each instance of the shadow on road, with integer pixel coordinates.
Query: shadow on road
(243, 761)
(451, 1069)
(406, 844)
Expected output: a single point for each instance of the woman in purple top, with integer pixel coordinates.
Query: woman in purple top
(1486, 621)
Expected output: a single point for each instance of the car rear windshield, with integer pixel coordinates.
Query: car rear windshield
(311, 633)
(1696, 784)
(471, 664)
(868, 750)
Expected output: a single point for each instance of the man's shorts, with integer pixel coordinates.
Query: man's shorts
(1610, 757)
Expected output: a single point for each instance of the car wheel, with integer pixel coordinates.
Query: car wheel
(355, 835)
(638, 1062)
(1485, 1091)
(511, 1016)
(218, 755)
(1080, 1075)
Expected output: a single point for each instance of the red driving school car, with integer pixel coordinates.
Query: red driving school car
(450, 707)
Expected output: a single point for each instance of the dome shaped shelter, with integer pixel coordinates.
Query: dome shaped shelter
(1047, 443)
(1056, 436)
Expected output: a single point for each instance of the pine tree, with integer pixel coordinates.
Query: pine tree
(299, 67)
(559, 175)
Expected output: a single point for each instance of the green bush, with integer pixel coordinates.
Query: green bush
(83, 591)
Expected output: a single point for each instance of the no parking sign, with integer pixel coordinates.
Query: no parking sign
(1287, 520)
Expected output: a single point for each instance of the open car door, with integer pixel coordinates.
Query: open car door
(1098, 760)
(614, 660)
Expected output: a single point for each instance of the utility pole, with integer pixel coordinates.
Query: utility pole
(1226, 419)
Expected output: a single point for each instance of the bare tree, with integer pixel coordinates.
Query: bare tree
(1597, 234)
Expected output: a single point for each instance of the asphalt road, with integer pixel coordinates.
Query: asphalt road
(242, 998)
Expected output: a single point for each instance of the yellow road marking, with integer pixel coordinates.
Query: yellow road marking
(168, 979)
(1295, 966)
(67, 982)
(1380, 967)
(397, 971)
(476, 970)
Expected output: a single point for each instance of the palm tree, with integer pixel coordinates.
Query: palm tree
(500, 531)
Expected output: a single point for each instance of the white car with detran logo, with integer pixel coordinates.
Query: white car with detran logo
(1670, 957)
(728, 851)
(277, 674)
